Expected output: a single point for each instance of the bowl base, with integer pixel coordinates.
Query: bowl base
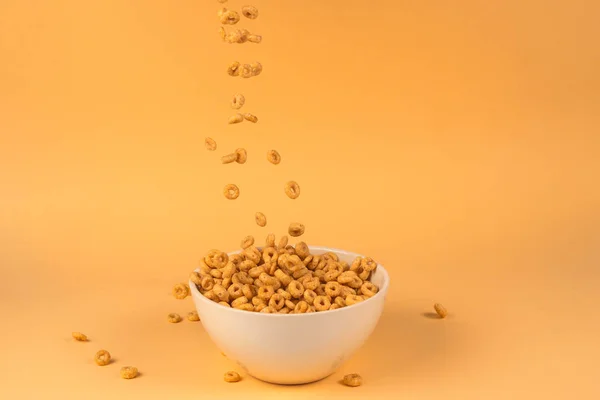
(274, 382)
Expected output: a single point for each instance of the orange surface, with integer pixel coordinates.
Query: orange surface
(455, 142)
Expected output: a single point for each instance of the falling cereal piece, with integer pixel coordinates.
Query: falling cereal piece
(241, 156)
(210, 144)
(251, 117)
(440, 310)
(238, 101)
(296, 229)
(256, 68)
(234, 69)
(273, 157)
(292, 189)
(254, 38)
(229, 158)
(231, 191)
(261, 219)
(80, 337)
(250, 12)
(235, 119)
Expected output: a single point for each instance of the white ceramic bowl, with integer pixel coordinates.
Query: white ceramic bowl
(293, 348)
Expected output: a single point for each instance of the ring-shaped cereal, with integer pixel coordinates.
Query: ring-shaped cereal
(321, 303)
(270, 240)
(356, 283)
(302, 250)
(300, 273)
(216, 259)
(311, 283)
(284, 278)
(301, 308)
(128, 372)
(268, 310)
(231, 377)
(253, 254)
(296, 229)
(265, 292)
(347, 277)
(248, 291)
(207, 283)
(368, 264)
(368, 289)
(273, 157)
(309, 296)
(239, 301)
(353, 299)
(221, 292)
(181, 291)
(277, 301)
(235, 291)
(283, 241)
(340, 301)
(173, 318)
(333, 289)
(296, 289)
(245, 307)
(247, 242)
(231, 191)
(196, 278)
(246, 265)
(102, 358)
(292, 189)
(260, 219)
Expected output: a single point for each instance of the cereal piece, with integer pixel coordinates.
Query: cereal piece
(80, 337)
(346, 277)
(353, 299)
(224, 304)
(229, 158)
(284, 294)
(209, 294)
(265, 292)
(239, 301)
(309, 296)
(261, 219)
(129, 372)
(222, 33)
(102, 357)
(242, 35)
(215, 273)
(234, 69)
(238, 101)
(246, 71)
(193, 316)
(440, 310)
(245, 307)
(242, 156)
(268, 310)
(216, 259)
(256, 68)
(277, 301)
(290, 304)
(284, 278)
(250, 12)
(321, 303)
(340, 301)
(333, 289)
(284, 310)
(248, 291)
(296, 229)
(235, 119)
(256, 271)
(174, 318)
(301, 273)
(221, 293)
(283, 242)
(252, 253)
(247, 265)
(232, 377)
(207, 283)
(247, 242)
(302, 250)
(254, 38)
(270, 241)
(231, 191)
(196, 278)
(352, 380)
(292, 190)
(368, 289)
(229, 17)
(210, 144)
(334, 306)
(235, 291)
(273, 157)
(302, 307)
(251, 117)
(181, 291)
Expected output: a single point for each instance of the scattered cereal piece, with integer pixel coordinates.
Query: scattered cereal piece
(261, 219)
(440, 310)
(102, 357)
(231, 191)
(229, 158)
(222, 33)
(296, 229)
(251, 117)
(352, 380)
(238, 101)
(283, 242)
(254, 38)
(246, 71)
(250, 12)
(193, 316)
(129, 372)
(242, 156)
(292, 189)
(174, 318)
(235, 119)
(80, 337)
(256, 68)
(273, 157)
(210, 144)
(234, 69)
(181, 291)
(232, 376)
(228, 17)
(247, 242)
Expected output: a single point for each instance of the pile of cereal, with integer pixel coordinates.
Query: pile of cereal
(283, 279)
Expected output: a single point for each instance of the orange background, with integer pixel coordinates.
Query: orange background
(455, 142)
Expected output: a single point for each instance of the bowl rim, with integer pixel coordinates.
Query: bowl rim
(381, 293)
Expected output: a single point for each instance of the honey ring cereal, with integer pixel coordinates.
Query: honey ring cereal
(333, 289)
(352, 380)
(247, 242)
(296, 229)
(102, 358)
(321, 303)
(232, 377)
(273, 157)
(261, 219)
(292, 190)
(80, 337)
(234, 70)
(238, 101)
(181, 291)
(440, 310)
(210, 144)
(250, 12)
(128, 372)
(193, 316)
(173, 318)
(231, 192)
(251, 118)
(241, 156)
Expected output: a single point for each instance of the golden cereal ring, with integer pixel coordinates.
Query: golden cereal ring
(440, 310)
(308, 260)
(284, 310)
(353, 299)
(235, 291)
(302, 250)
(246, 72)
(284, 278)
(321, 303)
(231, 191)
(102, 357)
(222, 33)
(129, 372)
(242, 278)
(292, 190)
(261, 219)
(346, 277)
(193, 316)
(229, 17)
(355, 283)
(330, 256)
(256, 68)
(319, 273)
(290, 304)
(296, 229)
(235, 119)
(173, 318)
(181, 291)
(368, 264)
(267, 279)
(246, 266)
(250, 12)
(296, 289)
(265, 292)
(253, 254)
(312, 283)
(340, 301)
(228, 158)
(221, 292)
(270, 241)
(352, 380)
(333, 289)
(309, 296)
(259, 307)
(210, 144)
(226, 283)
(241, 156)
(228, 270)
(268, 310)
(258, 283)
(247, 242)
(239, 301)
(368, 289)
(254, 38)
(256, 272)
(347, 290)
(364, 275)
(257, 300)
(301, 308)
(209, 294)
(224, 303)
(245, 307)
(277, 301)
(216, 259)
(248, 291)
(273, 157)
(207, 283)
(232, 377)
(300, 273)
(238, 101)
(284, 294)
(80, 337)
(282, 242)
(196, 278)
(234, 70)
(334, 306)
(251, 118)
